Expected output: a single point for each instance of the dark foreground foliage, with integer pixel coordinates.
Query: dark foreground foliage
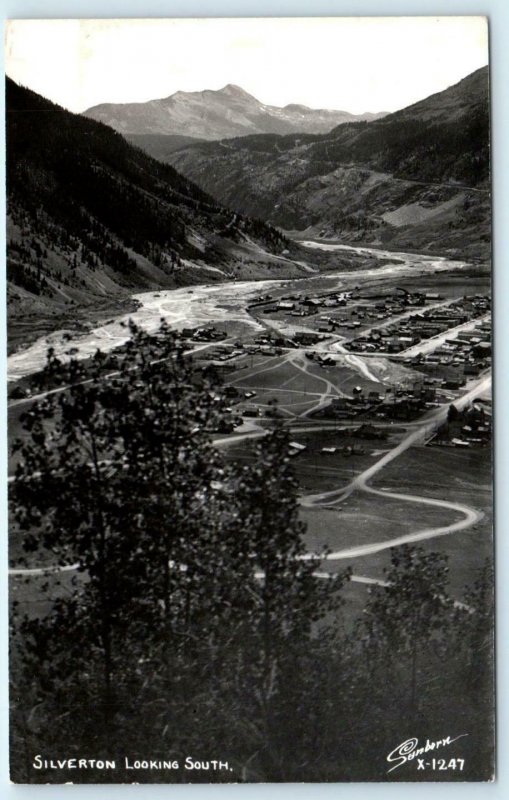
(191, 625)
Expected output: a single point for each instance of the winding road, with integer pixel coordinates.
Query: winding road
(469, 516)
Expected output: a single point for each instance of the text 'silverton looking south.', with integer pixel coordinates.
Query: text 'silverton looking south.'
(250, 416)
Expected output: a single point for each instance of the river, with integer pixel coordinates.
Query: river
(207, 304)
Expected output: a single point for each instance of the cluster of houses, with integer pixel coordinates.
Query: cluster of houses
(272, 344)
(264, 344)
(357, 314)
(468, 428)
(361, 314)
(460, 358)
(426, 324)
(303, 305)
(401, 404)
(365, 431)
(397, 302)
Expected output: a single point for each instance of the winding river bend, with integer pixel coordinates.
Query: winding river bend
(212, 303)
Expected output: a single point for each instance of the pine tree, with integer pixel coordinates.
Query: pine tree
(183, 583)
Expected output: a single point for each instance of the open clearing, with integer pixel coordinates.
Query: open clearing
(297, 383)
(445, 473)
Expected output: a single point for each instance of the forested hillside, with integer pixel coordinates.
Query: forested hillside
(92, 218)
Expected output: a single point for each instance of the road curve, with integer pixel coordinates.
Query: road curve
(469, 515)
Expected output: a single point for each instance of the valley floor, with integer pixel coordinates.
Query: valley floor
(355, 508)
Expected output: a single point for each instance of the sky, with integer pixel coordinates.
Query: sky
(353, 64)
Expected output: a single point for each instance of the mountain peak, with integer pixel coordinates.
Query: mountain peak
(234, 91)
(215, 114)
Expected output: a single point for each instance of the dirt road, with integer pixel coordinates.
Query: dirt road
(468, 516)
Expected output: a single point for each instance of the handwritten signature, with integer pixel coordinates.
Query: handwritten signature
(409, 749)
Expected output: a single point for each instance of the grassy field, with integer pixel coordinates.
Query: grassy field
(449, 474)
(277, 373)
(296, 382)
(454, 473)
(365, 519)
(346, 378)
(460, 476)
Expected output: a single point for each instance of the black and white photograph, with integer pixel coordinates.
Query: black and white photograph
(249, 287)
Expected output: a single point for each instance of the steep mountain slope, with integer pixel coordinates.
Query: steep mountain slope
(416, 178)
(91, 219)
(458, 101)
(228, 112)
